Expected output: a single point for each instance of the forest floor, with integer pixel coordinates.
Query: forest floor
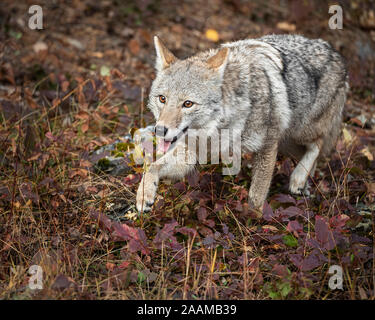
(82, 82)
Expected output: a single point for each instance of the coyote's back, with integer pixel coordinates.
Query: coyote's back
(316, 80)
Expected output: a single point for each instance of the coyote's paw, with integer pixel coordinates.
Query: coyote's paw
(298, 185)
(146, 194)
(255, 204)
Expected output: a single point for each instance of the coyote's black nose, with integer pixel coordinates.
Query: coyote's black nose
(161, 131)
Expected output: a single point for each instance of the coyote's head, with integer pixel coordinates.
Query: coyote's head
(186, 94)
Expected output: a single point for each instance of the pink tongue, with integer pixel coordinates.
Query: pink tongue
(164, 145)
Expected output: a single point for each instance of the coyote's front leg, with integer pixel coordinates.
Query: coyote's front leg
(147, 189)
(174, 164)
(264, 164)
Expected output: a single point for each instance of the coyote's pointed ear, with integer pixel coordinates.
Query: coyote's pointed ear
(219, 60)
(164, 58)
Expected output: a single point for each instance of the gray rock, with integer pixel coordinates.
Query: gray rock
(112, 158)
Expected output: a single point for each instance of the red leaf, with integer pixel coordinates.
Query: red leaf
(321, 229)
(110, 266)
(294, 227)
(284, 198)
(167, 230)
(165, 237)
(338, 222)
(268, 213)
(291, 212)
(323, 233)
(202, 213)
(280, 270)
(187, 231)
(219, 205)
(193, 179)
(312, 261)
(50, 136)
(123, 231)
(296, 259)
(124, 265)
(136, 237)
(179, 186)
(210, 223)
(131, 179)
(85, 127)
(102, 219)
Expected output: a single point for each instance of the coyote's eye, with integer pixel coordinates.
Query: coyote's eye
(188, 104)
(162, 99)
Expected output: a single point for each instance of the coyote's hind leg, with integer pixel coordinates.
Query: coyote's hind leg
(306, 166)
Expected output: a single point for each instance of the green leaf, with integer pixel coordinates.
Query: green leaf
(290, 240)
(15, 34)
(352, 257)
(285, 289)
(141, 277)
(274, 295)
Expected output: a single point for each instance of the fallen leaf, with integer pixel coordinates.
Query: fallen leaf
(286, 26)
(134, 46)
(105, 71)
(270, 228)
(110, 266)
(97, 54)
(34, 157)
(78, 172)
(39, 46)
(212, 35)
(367, 153)
(347, 136)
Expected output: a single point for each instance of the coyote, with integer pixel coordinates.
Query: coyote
(284, 93)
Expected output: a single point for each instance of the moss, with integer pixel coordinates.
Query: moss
(124, 146)
(121, 146)
(104, 164)
(117, 154)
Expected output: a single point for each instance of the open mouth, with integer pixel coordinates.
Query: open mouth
(165, 145)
